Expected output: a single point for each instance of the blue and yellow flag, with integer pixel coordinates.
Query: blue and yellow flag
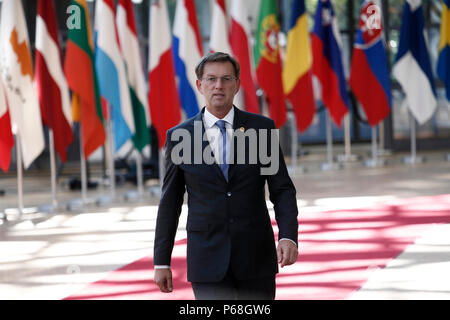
(443, 68)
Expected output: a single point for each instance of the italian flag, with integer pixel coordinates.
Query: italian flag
(82, 80)
(268, 62)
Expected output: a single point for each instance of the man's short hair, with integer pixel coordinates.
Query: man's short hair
(217, 57)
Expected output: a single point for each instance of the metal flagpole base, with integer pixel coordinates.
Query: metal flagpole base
(296, 169)
(348, 158)
(413, 160)
(330, 166)
(375, 163)
(104, 200)
(131, 195)
(155, 190)
(19, 212)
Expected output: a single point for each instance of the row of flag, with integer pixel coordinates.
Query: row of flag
(103, 70)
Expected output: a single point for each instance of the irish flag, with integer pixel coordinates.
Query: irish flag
(18, 79)
(82, 79)
(127, 31)
(268, 62)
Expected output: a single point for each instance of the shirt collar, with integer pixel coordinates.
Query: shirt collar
(210, 119)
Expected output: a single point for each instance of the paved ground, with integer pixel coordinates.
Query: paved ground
(51, 255)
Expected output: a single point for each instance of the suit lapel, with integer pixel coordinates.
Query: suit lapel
(239, 122)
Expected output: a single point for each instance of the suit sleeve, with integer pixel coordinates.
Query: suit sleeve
(169, 209)
(282, 194)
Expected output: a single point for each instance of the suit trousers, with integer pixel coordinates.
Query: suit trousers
(230, 288)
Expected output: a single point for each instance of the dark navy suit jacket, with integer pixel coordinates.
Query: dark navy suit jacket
(228, 224)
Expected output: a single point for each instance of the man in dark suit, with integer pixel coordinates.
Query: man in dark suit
(231, 252)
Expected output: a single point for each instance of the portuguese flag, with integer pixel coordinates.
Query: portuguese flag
(82, 79)
(268, 62)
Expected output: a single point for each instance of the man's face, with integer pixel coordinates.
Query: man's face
(219, 85)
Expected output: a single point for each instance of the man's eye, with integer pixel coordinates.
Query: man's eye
(212, 79)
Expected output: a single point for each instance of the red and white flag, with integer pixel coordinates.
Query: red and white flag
(17, 74)
(51, 84)
(165, 107)
(6, 136)
(220, 41)
(239, 41)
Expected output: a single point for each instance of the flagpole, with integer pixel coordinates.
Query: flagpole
(83, 171)
(294, 144)
(374, 161)
(54, 204)
(139, 174)
(413, 158)
(19, 175)
(111, 157)
(347, 156)
(329, 165)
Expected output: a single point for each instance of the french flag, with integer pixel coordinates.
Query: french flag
(165, 107)
(369, 76)
(327, 62)
(187, 51)
(110, 69)
(412, 68)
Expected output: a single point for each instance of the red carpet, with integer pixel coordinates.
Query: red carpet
(338, 252)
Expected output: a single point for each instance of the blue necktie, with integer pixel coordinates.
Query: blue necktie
(223, 166)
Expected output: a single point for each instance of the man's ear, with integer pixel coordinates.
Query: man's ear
(198, 83)
(238, 85)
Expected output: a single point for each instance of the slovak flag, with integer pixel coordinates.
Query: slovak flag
(187, 52)
(327, 62)
(412, 67)
(369, 76)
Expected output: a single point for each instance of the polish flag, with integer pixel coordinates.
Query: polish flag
(51, 84)
(18, 79)
(239, 41)
(6, 136)
(165, 107)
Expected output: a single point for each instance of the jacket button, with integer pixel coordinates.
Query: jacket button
(231, 220)
(229, 194)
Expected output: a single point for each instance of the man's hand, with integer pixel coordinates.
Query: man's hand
(287, 252)
(163, 278)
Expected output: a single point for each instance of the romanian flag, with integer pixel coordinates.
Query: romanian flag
(443, 68)
(268, 62)
(369, 76)
(297, 70)
(327, 63)
(82, 79)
